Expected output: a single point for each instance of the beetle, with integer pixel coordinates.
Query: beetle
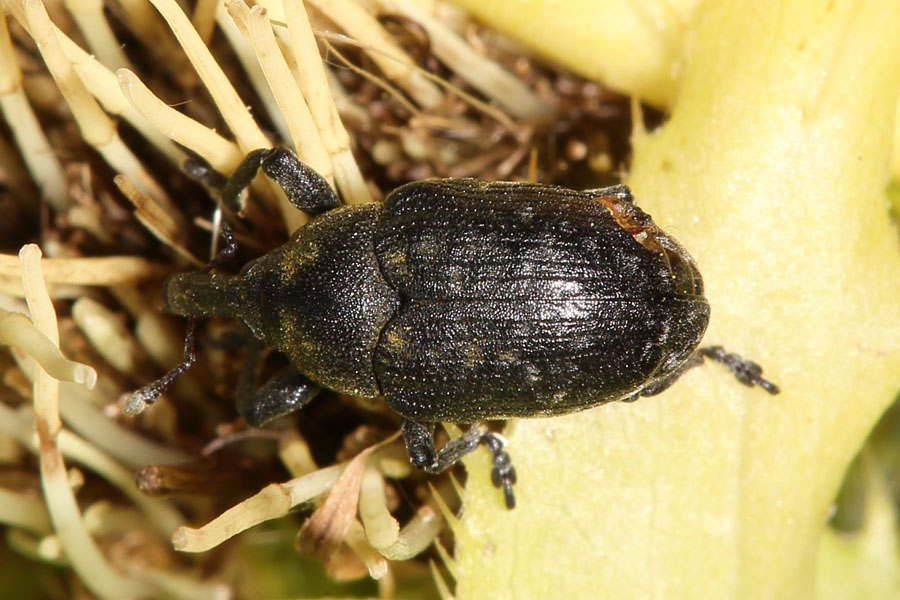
(460, 300)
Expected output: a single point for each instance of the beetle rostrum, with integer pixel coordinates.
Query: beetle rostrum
(463, 301)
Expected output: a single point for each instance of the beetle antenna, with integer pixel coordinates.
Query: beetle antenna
(746, 371)
(226, 253)
(147, 395)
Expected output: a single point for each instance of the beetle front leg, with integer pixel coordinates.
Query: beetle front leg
(286, 392)
(419, 439)
(304, 187)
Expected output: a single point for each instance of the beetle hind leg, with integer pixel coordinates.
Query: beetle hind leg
(423, 454)
(746, 371)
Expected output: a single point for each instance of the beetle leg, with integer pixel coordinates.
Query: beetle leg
(240, 178)
(503, 473)
(419, 439)
(620, 192)
(306, 189)
(201, 171)
(287, 391)
(636, 397)
(746, 371)
(695, 360)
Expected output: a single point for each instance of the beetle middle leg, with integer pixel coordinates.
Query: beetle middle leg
(422, 453)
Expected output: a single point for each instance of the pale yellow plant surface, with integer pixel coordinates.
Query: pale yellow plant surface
(633, 46)
(772, 171)
(871, 554)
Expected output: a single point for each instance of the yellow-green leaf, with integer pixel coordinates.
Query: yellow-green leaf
(772, 171)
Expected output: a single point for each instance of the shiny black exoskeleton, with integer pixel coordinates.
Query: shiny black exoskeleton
(461, 300)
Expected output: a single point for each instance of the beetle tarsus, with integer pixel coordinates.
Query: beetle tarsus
(503, 474)
(422, 453)
(746, 371)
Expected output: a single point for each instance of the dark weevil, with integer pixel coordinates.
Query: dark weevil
(460, 300)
